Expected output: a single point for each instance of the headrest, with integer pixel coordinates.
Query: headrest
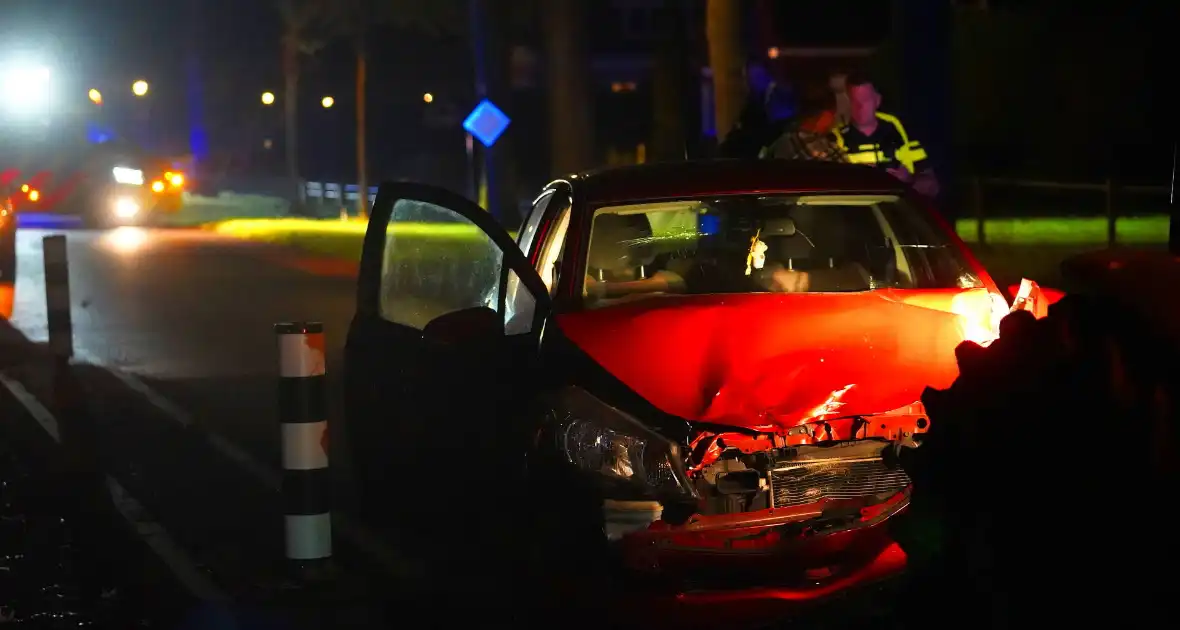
(619, 241)
(784, 226)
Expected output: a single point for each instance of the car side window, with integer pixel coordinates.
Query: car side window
(436, 262)
(548, 262)
(519, 307)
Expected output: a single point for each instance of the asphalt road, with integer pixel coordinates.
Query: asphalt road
(191, 313)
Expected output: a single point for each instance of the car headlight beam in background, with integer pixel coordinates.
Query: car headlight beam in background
(126, 240)
(124, 175)
(126, 207)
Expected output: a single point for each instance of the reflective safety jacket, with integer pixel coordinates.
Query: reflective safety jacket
(889, 146)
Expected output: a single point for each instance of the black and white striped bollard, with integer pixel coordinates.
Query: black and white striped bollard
(57, 297)
(303, 414)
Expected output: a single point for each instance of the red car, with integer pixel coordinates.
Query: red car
(680, 383)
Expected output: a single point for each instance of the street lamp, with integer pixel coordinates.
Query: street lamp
(26, 90)
(328, 102)
(428, 98)
(139, 88)
(95, 96)
(268, 98)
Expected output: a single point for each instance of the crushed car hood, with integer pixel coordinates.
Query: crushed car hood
(773, 361)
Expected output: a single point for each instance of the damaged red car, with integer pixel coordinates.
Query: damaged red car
(687, 377)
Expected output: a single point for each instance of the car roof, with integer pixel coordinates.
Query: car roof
(726, 176)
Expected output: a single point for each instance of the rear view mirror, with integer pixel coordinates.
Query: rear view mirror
(469, 324)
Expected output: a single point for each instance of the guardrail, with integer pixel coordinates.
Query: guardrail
(1109, 189)
(331, 198)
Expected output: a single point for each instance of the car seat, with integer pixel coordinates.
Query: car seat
(619, 242)
(785, 244)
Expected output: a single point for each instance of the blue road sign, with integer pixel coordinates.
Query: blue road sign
(486, 122)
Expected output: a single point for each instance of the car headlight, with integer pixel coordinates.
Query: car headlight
(126, 207)
(630, 459)
(124, 175)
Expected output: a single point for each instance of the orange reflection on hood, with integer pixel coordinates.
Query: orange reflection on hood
(771, 362)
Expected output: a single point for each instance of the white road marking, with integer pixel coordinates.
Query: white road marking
(158, 539)
(34, 407)
(357, 534)
(170, 409)
(148, 529)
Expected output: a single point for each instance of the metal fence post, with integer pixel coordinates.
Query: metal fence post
(303, 414)
(1111, 219)
(57, 296)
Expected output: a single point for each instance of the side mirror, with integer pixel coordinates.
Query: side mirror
(469, 324)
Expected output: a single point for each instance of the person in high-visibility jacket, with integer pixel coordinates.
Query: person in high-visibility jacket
(878, 139)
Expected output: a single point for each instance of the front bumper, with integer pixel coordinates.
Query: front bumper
(826, 603)
(757, 566)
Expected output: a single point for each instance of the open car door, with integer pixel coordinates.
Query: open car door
(438, 365)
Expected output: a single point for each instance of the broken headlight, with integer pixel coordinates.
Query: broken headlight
(630, 459)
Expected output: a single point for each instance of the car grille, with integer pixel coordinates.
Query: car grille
(810, 481)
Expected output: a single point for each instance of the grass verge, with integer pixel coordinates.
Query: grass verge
(1015, 247)
(1066, 231)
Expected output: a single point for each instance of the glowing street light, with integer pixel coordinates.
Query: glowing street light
(268, 98)
(95, 97)
(428, 98)
(139, 88)
(328, 102)
(26, 90)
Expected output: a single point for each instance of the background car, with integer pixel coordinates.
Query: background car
(680, 383)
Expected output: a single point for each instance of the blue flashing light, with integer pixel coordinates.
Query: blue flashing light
(97, 134)
(709, 224)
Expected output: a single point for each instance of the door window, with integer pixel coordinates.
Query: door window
(435, 262)
(549, 261)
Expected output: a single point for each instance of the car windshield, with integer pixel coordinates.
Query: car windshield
(767, 244)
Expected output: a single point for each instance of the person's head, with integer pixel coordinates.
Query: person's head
(863, 98)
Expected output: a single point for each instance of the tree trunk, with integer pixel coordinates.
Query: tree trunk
(668, 94)
(571, 137)
(291, 104)
(362, 163)
(723, 19)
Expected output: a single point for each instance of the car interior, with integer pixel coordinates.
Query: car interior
(744, 244)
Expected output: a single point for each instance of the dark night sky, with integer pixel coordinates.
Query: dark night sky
(108, 43)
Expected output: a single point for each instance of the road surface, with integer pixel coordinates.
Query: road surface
(190, 313)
